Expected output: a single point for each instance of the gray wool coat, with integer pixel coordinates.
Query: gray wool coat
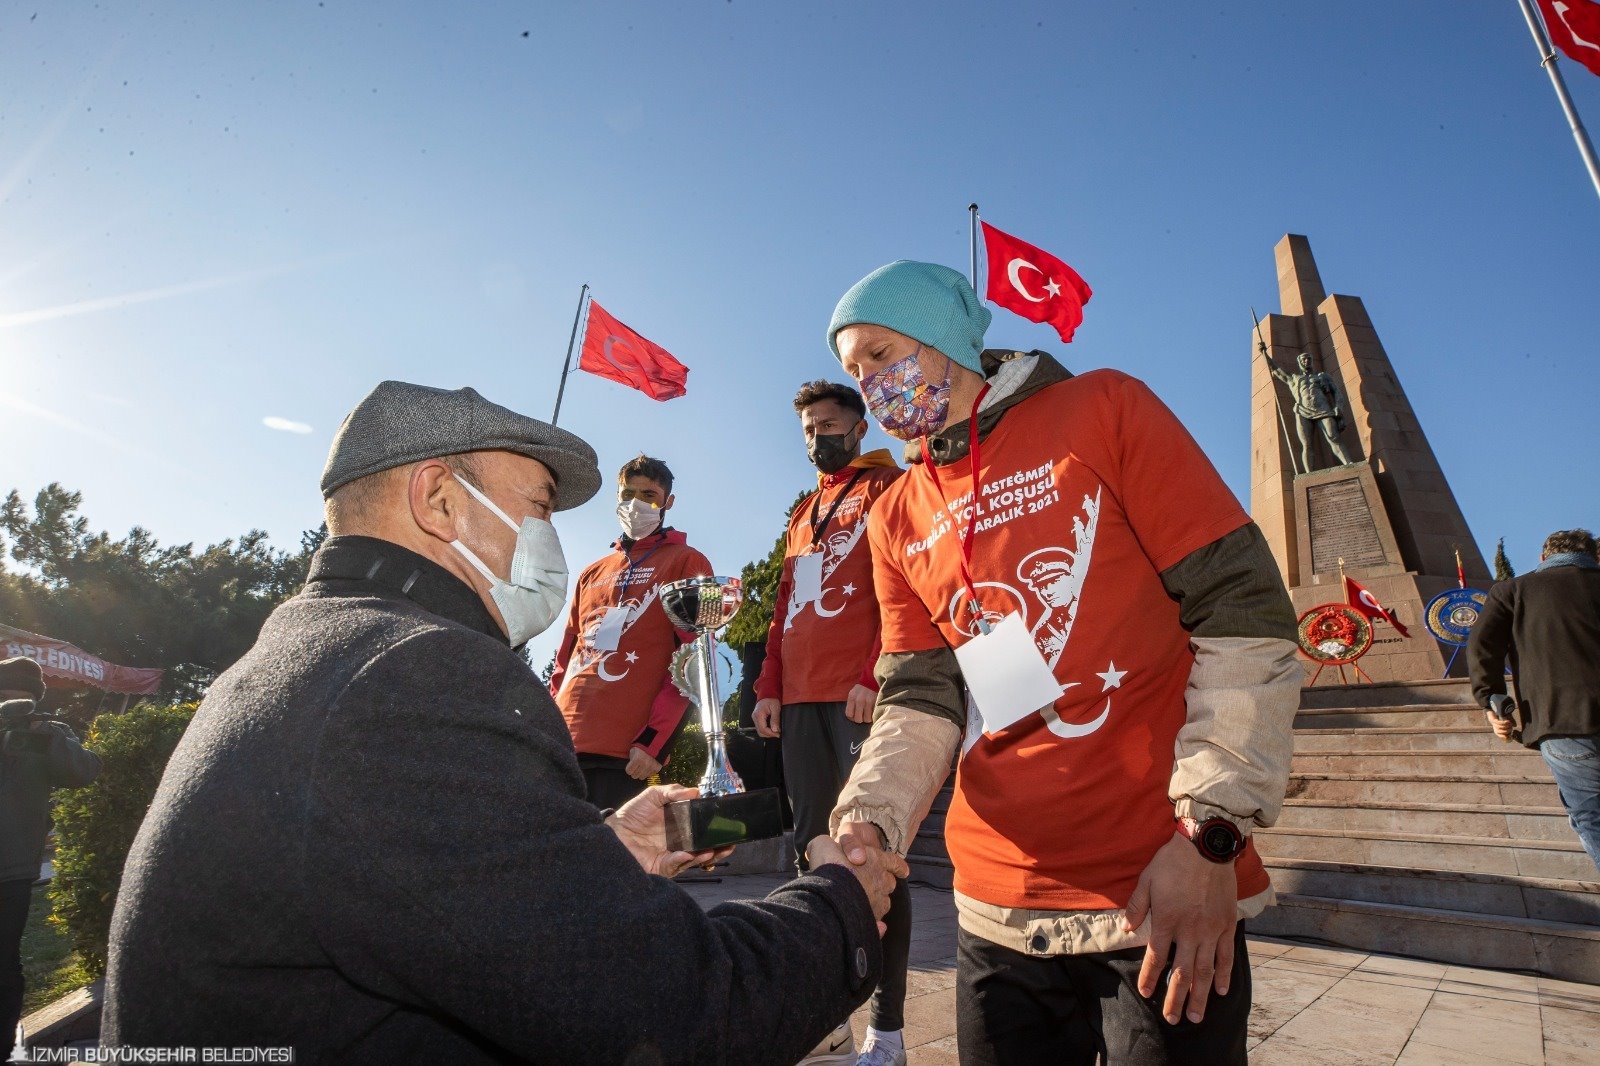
(372, 845)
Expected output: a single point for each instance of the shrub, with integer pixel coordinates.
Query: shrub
(687, 754)
(97, 824)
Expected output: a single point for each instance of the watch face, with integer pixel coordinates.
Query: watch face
(1220, 839)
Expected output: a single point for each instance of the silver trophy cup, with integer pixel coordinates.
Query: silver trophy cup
(724, 813)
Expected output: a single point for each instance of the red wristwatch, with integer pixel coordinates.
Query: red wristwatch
(1216, 839)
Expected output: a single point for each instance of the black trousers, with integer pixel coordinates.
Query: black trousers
(607, 782)
(15, 897)
(820, 748)
(1014, 1008)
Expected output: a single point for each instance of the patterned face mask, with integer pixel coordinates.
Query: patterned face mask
(905, 404)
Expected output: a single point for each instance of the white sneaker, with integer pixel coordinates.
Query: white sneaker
(875, 1054)
(837, 1049)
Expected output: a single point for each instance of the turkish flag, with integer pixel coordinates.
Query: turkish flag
(1034, 283)
(1574, 27)
(612, 350)
(1368, 605)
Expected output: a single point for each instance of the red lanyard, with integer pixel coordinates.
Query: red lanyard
(972, 511)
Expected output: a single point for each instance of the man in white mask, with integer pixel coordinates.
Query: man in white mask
(612, 679)
(372, 844)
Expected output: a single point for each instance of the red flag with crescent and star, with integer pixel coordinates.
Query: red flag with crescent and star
(1575, 29)
(1368, 605)
(1034, 283)
(612, 350)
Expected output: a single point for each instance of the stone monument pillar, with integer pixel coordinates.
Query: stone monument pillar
(1389, 514)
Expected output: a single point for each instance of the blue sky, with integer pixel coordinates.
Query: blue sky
(215, 214)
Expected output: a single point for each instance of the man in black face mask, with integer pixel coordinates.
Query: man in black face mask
(816, 688)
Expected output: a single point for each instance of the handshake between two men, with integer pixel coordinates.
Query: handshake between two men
(641, 826)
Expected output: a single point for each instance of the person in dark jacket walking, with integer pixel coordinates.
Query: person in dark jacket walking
(1548, 624)
(372, 843)
(35, 756)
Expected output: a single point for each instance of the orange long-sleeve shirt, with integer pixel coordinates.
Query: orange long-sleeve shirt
(617, 700)
(818, 650)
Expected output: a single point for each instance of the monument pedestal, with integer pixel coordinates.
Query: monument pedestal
(1340, 516)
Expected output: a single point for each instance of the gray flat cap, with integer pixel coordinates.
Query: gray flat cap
(400, 423)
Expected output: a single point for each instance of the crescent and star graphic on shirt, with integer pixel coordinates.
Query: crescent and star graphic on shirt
(1055, 576)
(1014, 272)
(592, 656)
(836, 549)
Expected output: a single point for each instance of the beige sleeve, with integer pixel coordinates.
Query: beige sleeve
(902, 766)
(1233, 752)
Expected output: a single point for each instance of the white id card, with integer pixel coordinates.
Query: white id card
(609, 632)
(808, 578)
(1006, 675)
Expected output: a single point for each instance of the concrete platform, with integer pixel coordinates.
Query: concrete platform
(1312, 1005)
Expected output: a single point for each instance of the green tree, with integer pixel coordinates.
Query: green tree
(134, 601)
(1502, 565)
(761, 577)
(97, 824)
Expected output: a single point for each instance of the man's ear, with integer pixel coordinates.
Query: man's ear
(433, 499)
(666, 504)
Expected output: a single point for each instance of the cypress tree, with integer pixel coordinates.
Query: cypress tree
(1502, 565)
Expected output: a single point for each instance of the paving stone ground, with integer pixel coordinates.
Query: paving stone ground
(1313, 1005)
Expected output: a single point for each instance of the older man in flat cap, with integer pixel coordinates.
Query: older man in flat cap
(372, 843)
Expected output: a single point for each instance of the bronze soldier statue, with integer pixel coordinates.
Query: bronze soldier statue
(1316, 403)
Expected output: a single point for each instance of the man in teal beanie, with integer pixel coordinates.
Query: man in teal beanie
(927, 302)
(1071, 598)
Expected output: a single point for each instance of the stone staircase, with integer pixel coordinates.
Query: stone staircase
(1409, 829)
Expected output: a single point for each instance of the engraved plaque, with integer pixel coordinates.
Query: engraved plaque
(1341, 526)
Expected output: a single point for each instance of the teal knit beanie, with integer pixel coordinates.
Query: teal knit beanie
(927, 302)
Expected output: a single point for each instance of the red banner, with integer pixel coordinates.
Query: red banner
(71, 667)
(1034, 283)
(612, 350)
(1574, 27)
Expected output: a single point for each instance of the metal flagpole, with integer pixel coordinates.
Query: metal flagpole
(1547, 60)
(1277, 403)
(566, 368)
(972, 210)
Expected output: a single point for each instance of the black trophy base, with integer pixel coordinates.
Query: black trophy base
(718, 821)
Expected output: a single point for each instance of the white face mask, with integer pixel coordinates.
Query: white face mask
(638, 519)
(531, 597)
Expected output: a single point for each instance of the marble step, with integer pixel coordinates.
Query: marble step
(1451, 691)
(1447, 819)
(933, 870)
(1565, 951)
(1547, 899)
(928, 841)
(1430, 851)
(1551, 899)
(1507, 789)
(1509, 759)
(1376, 738)
(1518, 822)
(1410, 716)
